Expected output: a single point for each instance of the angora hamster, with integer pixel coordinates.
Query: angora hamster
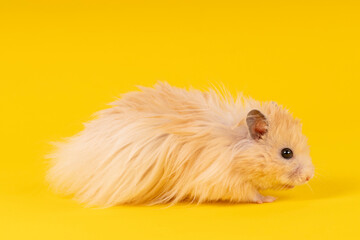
(166, 144)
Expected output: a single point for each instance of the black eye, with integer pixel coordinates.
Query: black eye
(287, 153)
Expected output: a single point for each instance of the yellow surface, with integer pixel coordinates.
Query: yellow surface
(61, 61)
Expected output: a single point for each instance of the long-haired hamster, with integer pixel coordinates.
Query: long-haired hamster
(166, 145)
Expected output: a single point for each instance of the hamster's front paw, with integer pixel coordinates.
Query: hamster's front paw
(264, 199)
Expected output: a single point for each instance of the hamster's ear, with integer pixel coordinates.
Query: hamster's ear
(257, 124)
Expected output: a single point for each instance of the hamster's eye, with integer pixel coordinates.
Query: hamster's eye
(287, 153)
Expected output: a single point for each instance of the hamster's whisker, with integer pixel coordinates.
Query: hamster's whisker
(319, 176)
(310, 187)
(317, 171)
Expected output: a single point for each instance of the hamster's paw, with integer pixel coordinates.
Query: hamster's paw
(264, 199)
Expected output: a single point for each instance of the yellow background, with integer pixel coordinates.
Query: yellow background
(61, 61)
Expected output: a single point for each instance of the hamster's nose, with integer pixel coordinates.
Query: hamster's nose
(308, 177)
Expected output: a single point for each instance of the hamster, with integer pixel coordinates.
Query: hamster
(167, 145)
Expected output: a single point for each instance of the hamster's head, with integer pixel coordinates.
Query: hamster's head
(276, 154)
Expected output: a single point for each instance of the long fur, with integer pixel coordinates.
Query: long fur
(166, 144)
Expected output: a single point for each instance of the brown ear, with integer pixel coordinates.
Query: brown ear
(257, 124)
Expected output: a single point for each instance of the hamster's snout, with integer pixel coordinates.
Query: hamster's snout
(308, 174)
(301, 174)
(307, 178)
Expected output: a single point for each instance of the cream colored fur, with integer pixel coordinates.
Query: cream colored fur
(166, 144)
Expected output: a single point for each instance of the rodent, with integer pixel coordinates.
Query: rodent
(166, 145)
